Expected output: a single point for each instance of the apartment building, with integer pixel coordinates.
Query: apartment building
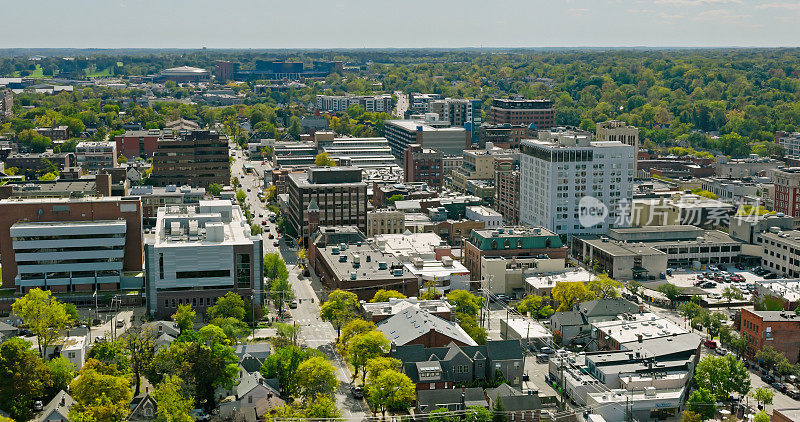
(489, 217)
(687, 209)
(359, 152)
(786, 198)
(789, 141)
(503, 135)
(516, 111)
(140, 143)
(781, 251)
(419, 103)
(615, 130)
(31, 165)
(478, 164)
(777, 329)
(506, 190)
(572, 185)
(423, 165)
(93, 156)
(55, 133)
(6, 104)
(373, 103)
(327, 196)
(69, 244)
(458, 112)
(200, 253)
(430, 133)
(197, 158)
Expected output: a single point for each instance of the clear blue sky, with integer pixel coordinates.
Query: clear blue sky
(397, 23)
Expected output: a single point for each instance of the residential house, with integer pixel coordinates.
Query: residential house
(252, 356)
(450, 400)
(143, 407)
(415, 326)
(575, 325)
(251, 398)
(518, 405)
(58, 409)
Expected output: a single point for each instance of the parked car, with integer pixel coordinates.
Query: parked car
(293, 304)
(767, 378)
(199, 415)
(770, 276)
(713, 268)
(711, 344)
(721, 351)
(271, 236)
(778, 386)
(708, 285)
(547, 350)
(542, 357)
(357, 392)
(740, 266)
(306, 272)
(275, 244)
(722, 267)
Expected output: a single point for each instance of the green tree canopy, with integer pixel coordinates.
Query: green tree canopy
(570, 293)
(384, 295)
(100, 392)
(464, 302)
(229, 306)
(339, 309)
(722, 376)
(184, 316)
(45, 316)
(23, 378)
(391, 390)
(316, 375)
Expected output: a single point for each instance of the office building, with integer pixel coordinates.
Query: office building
(777, 329)
(155, 197)
(92, 156)
(506, 190)
(512, 275)
(382, 191)
(381, 103)
(200, 253)
(6, 104)
(429, 133)
(97, 185)
(615, 130)
(572, 185)
(326, 196)
(198, 158)
(423, 165)
(786, 198)
(780, 251)
(293, 154)
(789, 141)
(747, 227)
(458, 112)
(419, 103)
(478, 164)
(503, 135)
(33, 165)
(538, 113)
(686, 209)
(358, 152)
(489, 217)
(740, 191)
(69, 244)
(140, 143)
(509, 242)
(646, 252)
(224, 70)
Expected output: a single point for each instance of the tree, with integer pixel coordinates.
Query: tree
(378, 365)
(391, 390)
(280, 291)
(340, 308)
(784, 368)
(100, 393)
(690, 310)
(241, 196)
(184, 317)
(323, 159)
(290, 332)
(769, 357)
(229, 306)
(203, 367)
(722, 376)
(364, 347)
(464, 302)
(689, 416)
(633, 287)
(62, 372)
(23, 378)
(536, 305)
(49, 176)
(353, 328)
(111, 353)
(302, 254)
(570, 293)
(316, 376)
(671, 291)
(604, 287)
(730, 293)
(122, 159)
(763, 395)
(272, 193)
(172, 405)
(12, 171)
(470, 325)
(442, 415)
(274, 267)
(214, 189)
(283, 365)
(138, 344)
(429, 292)
(703, 403)
(384, 295)
(45, 316)
(738, 343)
(499, 411)
(477, 414)
(235, 329)
(322, 407)
(394, 198)
(761, 416)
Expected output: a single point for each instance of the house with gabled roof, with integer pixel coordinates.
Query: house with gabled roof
(435, 368)
(58, 409)
(416, 326)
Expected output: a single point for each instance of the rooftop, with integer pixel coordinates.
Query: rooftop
(394, 306)
(413, 125)
(776, 316)
(363, 261)
(211, 222)
(411, 323)
(628, 328)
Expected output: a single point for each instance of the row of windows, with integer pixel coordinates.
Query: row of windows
(70, 236)
(203, 274)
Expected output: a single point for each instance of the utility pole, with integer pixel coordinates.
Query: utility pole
(563, 382)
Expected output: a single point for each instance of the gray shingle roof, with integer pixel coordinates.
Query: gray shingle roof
(430, 400)
(412, 323)
(568, 318)
(607, 307)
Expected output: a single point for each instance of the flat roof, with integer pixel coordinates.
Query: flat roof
(648, 325)
(369, 257)
(411, 125)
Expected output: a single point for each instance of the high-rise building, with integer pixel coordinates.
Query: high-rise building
(430, 133)
(198, 158)
(458, 112)
(69, 244)
(420, 103)
(506, 185)
(423, 165)
(789, 141)
(615, 130)
(503, 135)
(522, 112)
(572, 185)
(224, 70)
(336, 194)
(786, 198)
(6, 104)
(140, 143)
(199, 254)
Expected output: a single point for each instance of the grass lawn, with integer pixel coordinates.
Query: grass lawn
(94, 73)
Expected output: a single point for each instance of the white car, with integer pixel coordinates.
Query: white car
(721, 351)
(713, 268)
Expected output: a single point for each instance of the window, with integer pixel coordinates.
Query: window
(433, 386)
(161, 266)
(250, 399)
(243, 270)
(148, 412)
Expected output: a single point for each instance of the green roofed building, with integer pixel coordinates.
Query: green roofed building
(510, 242)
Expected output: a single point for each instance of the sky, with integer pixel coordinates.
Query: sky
(397, 23)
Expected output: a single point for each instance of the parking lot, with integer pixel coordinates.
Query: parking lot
(689, 278)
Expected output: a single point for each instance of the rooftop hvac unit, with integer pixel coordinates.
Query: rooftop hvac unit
(382, 265)
(342, 258)
(334, 251)
(353, 275)
(398, 272)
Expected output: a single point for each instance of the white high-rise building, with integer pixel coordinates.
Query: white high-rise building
(572, 185)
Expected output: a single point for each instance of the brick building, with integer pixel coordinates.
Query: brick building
(423, 165)
(540, 113)
(31, 165)
(503, 135)
(198, 158)
(506, 185)
(69, 244)
(139, 143)
(778, 329)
